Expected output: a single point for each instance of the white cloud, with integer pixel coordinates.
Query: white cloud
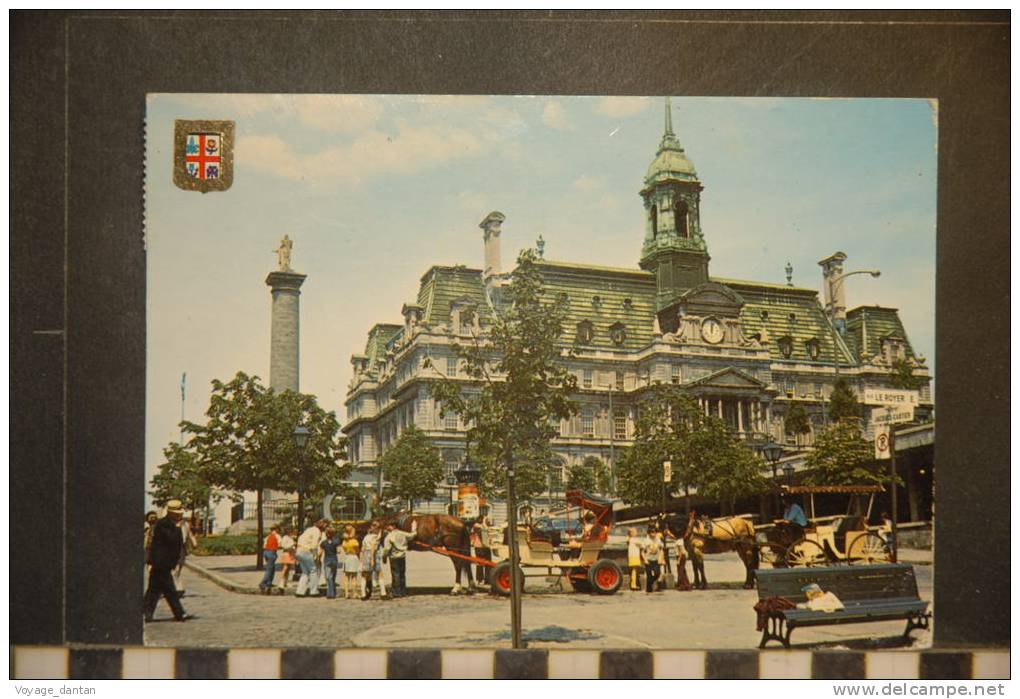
(618, 107)
(410, 150)
(555, 116)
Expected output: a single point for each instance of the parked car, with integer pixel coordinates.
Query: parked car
(556, 530)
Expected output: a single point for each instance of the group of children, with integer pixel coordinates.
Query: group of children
(649, 553)
(338, 555)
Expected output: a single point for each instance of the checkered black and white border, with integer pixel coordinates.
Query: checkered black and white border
(49, 662)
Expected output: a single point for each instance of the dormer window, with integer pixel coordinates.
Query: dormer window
(596, 302)
(618, 333)
(785, 345)
(764, 315)
(793, 317)
(628, 304)
(813, 347)
(893, 349)
(585, 332)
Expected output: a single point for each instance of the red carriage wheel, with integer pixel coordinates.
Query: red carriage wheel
(605, 577)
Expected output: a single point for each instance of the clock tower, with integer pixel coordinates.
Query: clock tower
(674, 248)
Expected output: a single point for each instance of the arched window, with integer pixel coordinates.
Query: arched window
(655, 219)
(348, 505)
(680, 216)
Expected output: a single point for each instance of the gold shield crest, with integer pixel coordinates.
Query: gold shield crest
(203, 155)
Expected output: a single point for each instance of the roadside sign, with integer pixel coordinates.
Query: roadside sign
(882, 442)
(885, 416)
(667, 471)
(891, 396)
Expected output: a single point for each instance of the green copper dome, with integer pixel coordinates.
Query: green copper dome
(670, 162)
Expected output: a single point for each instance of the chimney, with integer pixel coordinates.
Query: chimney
(493, 265)
(833, 287)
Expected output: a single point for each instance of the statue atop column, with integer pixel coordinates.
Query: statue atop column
(283, 253)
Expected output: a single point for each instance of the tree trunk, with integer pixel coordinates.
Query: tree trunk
(258, 518)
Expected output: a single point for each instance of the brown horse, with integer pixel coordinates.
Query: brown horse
(719, 536)
(443, 531)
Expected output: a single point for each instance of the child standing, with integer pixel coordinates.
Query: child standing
(288, 542)
(329, 547)
(634, 558)
(371, 561)
(650, 555)
(350, 547)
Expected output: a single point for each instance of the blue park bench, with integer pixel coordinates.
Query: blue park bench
(879, 592)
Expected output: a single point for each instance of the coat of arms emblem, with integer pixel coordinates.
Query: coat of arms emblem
(203, 155)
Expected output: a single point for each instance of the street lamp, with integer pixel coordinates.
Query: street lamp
(835, 283)
(300, 436)
(772, 453)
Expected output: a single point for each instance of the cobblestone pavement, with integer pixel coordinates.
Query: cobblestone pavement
(717, 618)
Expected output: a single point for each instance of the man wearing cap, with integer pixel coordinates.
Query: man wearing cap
(164, 553)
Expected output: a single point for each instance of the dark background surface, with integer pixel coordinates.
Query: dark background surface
(78, 85)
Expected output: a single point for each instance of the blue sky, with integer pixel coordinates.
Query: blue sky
(375, 189)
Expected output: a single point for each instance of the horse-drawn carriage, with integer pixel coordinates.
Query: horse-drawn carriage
(578, 561)
(826, 540)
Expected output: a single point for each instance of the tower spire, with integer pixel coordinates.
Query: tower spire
(669, 118)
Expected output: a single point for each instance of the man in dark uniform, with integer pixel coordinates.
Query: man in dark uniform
(164, 553)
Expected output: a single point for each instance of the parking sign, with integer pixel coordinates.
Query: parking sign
(882, 442)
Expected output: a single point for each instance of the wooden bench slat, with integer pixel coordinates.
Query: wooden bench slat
(868, 593)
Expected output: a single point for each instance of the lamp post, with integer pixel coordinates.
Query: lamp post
(773, 453)
(300, 436)
(835, 283)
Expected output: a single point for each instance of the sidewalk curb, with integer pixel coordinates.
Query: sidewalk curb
(222, 581)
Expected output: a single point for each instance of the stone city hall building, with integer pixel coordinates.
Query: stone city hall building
(747, 351)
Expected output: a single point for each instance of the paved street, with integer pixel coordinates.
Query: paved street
(717, 618)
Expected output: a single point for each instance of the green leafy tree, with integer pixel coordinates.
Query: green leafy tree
(840, 457)
(518, 389)
(519, 393)
(247, 443)
(796, 422)
(704, 453)
(843, 403)
(903, 376)
(591, 475)
(412, 466)
(181, 477)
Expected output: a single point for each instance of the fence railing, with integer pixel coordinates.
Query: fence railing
(272, 510)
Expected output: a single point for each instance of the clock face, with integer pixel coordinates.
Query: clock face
(712, 330)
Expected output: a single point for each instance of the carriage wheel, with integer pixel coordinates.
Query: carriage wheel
(866, 549)
(605, 577)
(501, 579)
(806, 553)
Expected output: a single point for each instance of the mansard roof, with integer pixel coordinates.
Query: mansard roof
(866, 326)
(788, 311)
(442, 285)
(606, 296)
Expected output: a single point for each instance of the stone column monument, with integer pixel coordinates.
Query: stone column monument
(284, 344)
